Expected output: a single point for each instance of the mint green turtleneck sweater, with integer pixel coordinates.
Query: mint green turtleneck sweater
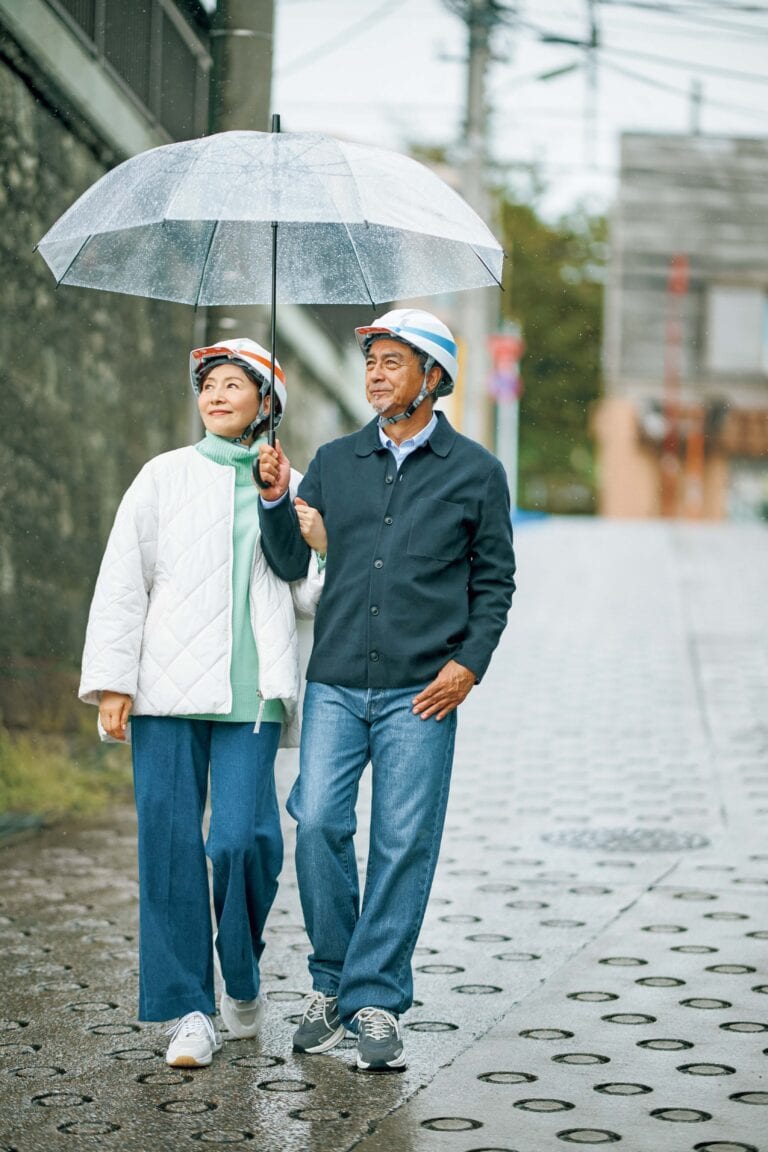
(244, 667)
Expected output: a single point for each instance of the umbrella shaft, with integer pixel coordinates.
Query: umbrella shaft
(271, 432)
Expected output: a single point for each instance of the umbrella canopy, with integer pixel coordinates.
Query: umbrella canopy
(194, 222)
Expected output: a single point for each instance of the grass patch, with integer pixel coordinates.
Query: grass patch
(54, 776)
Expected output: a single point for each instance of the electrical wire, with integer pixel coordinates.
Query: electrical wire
(341, 37)
(721, 105)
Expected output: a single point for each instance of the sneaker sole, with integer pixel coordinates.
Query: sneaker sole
(189, 1062)
(363, 1067)
(331, 1042)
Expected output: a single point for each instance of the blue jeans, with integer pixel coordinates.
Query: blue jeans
(171, 758)
(363, 955)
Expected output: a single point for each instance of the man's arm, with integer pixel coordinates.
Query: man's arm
(283, 545)
(490, 587)
(491, 578)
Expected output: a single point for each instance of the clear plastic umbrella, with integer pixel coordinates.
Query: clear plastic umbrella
(191, 222)
(198, 221)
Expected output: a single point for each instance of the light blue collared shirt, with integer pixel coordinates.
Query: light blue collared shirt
(400, 451)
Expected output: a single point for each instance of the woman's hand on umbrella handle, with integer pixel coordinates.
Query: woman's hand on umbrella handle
(274, 471)
(312, 526)
(114, 710)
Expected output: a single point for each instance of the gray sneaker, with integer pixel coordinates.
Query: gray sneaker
(379, 1045)
(321, 1027)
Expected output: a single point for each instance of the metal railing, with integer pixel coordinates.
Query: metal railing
(153, 51)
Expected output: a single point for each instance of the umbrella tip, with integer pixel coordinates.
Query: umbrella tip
(275, 121)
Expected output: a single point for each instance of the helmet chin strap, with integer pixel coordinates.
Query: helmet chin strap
(253, 426)
(419, 399)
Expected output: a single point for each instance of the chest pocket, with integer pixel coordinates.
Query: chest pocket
(437, 530)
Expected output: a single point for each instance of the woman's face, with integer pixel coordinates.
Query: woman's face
(229, 401)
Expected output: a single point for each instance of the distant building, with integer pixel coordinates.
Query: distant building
(683, 427)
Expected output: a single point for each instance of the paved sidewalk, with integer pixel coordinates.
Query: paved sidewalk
(593, 968)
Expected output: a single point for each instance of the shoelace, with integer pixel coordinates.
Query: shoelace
(376, 1023)
(315, 1009)
(193, 1024)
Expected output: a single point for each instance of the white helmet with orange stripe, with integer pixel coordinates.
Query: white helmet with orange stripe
(254, 360)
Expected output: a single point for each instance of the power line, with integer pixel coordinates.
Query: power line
(547, 37)
(341, 37)
(722, 105)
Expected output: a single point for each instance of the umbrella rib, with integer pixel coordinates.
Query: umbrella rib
(214, 230)
(359, 263)
(66, 270)
(488, 270)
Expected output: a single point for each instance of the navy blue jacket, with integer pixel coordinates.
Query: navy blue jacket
(420, 565)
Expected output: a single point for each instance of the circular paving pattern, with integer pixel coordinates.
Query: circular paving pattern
(450, 1124)
(620, 1088)
(546, 1034)
(432, 1026)
(681, 1115)
(221, 1136)
(592, 997)
(665, 1045)
(544, 1105)
(286, 1086)
(88, 1128)
(589, 1136)
(507, 1077)
(581, 1058)
(628, 839)
(706, 1069)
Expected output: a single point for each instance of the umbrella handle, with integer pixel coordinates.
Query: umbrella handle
(257, 475)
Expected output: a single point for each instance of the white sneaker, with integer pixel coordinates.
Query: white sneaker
(243, 1018)
(193, 1041)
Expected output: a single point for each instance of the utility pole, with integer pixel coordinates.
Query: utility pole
(481, 17)
(590, 113)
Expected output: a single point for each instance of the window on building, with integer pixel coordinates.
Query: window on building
(737, 329)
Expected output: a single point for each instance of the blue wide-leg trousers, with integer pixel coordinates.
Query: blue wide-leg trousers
(171, 761)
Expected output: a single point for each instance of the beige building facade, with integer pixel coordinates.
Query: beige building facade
(683, 428)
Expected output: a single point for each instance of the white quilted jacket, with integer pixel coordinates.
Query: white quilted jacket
(160, 624)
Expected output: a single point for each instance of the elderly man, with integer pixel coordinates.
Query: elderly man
(418, 582)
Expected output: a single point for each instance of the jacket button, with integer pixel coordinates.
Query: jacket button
(378, 563)
(374, 656)
(388, 479)
(387, 519)
(374, 610)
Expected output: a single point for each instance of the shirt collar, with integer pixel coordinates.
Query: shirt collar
(415, 441)
(440, 442)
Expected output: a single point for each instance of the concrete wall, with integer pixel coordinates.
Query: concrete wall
(93, 384)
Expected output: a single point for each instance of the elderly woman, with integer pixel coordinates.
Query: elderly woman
(193, 637)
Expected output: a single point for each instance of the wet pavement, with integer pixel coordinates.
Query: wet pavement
(593, 967)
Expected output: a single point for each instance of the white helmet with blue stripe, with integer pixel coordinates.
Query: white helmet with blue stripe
(422, 331)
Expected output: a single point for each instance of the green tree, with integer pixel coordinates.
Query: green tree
(553, 288)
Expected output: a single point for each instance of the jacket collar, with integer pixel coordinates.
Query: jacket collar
(441, 440)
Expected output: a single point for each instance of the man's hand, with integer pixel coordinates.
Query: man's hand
(312, 525)
(448, 689)
(275, 471)
(114, 710)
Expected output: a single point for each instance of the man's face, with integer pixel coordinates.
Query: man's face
(393, 376)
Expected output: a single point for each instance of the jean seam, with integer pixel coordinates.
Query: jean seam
(428, 871)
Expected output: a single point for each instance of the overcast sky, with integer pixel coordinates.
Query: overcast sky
(393, 72)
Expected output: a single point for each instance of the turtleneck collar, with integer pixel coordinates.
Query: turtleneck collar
(237, 456)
